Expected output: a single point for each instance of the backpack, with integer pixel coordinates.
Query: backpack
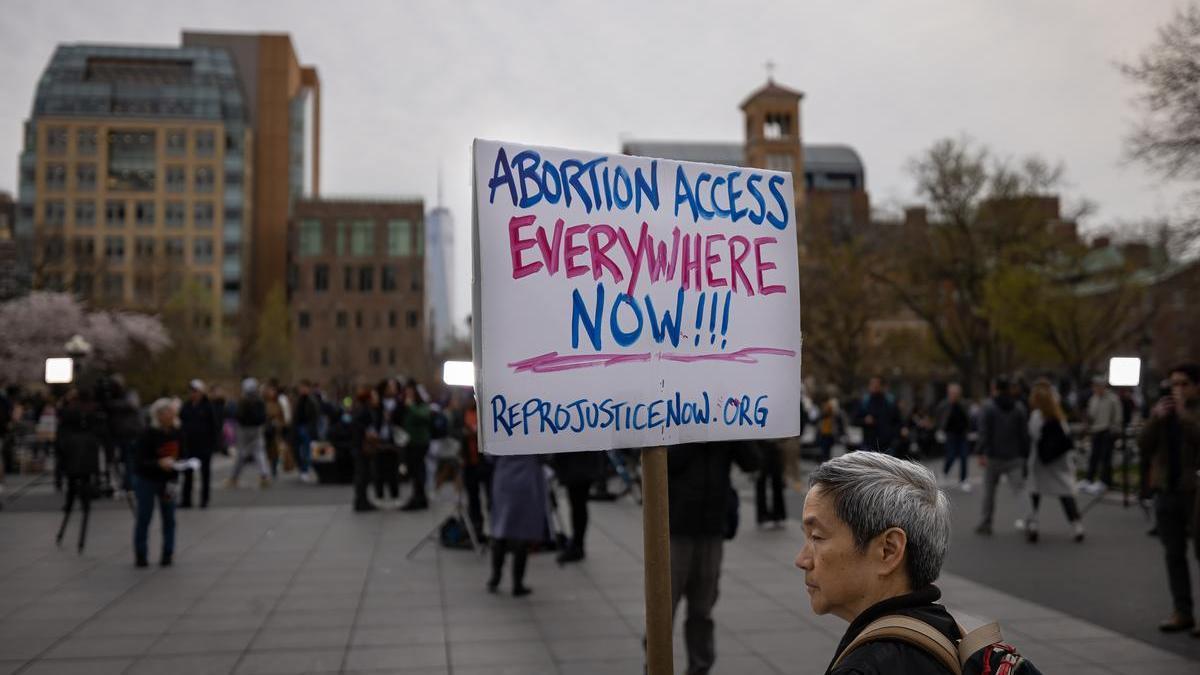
(251, 412)
(453, 534)
(982, 651)
(1054, 442)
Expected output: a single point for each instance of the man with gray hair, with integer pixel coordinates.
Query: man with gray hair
(876, 532)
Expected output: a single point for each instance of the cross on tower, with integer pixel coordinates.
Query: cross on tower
(770, 66)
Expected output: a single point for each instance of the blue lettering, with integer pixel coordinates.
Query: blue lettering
(712, 196)
(780, 222)
(683, 192)
(499, 405)
(641, 187)
(622, 337)
(752, 181)
(703, 178)
(653, 418)
(501, 175)
(735, 213)
(526, 163)
(621, 177)
(660, 329)
(550, 171)
(636, 408)
(579, 313)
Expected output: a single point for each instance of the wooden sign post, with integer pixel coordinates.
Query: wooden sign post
(656, 543)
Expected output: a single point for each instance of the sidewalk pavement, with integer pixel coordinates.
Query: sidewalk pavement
(320, 589)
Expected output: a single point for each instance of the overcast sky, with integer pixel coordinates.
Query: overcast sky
(407, 85)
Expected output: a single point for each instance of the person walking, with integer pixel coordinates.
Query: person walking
(830, 427)
(1104, 417)
(519, 494)
(390, 437)
(770, 509)
(953, 422)
(200, 428)
(699, 503)
(1051, 464)
(879, 417)
(1170, 446)
(154, 480)
(306, 428)
(1003, 447)
(577, 471)
(81, 431)
(251, 417)
(365, 424)
(124, 429)
(416, 420)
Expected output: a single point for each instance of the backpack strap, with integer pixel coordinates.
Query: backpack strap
(978, 639)
(911, 631)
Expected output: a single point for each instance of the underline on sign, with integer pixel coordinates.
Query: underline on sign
(552, 362)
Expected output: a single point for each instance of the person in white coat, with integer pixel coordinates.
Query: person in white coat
(1052, 462)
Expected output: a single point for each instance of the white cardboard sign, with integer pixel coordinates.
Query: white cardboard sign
(629, 302)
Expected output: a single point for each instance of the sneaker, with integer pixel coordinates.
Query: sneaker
(1177, 624)
(1078, 531)
(965, 486)
(166, 560)
(264, 482)
(984, 529)
(141, 561)
(308, 477)
(521, 591)
(1031, 531)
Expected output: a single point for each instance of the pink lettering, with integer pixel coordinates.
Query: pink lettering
(516, 245)
(735, 263)
(711, 260)
(761, 265)
(572, 251)
(600, 259)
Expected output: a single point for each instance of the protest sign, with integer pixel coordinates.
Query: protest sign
(628, 301)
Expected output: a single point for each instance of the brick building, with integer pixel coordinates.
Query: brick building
(357, 291)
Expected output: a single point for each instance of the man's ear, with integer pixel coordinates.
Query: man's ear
(891, 545)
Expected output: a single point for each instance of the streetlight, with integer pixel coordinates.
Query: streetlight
(459, 373)
(1124, 371)
(60, 370)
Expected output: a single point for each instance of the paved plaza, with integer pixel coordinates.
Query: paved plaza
(264, 586)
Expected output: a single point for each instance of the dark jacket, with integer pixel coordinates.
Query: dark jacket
(952, 418)
(578, 467)
(200, 427)
(1171, 449)
(308, 413)
(892, 657)
(155, 444)
(80, 435)
(124, 419)
(884, 430)
(1004, 429)
(698, 484)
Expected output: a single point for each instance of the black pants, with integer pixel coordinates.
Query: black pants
(1176, 514)
(1100, 463)
(1069, 506)
(520, 551)
(387, 472)
(362, 476)
(414, 459)
(695, 575)
(772, 470)
(78, 486)
(577, 495)
(477, 478)
(185, 500)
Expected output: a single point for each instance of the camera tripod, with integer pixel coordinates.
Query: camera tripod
(460, 512)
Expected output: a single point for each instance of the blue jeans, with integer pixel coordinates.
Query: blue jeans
(957, 449)
(127, 448)
(147, 491)
(304, 441)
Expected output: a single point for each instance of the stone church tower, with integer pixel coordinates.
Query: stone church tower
(773, 136)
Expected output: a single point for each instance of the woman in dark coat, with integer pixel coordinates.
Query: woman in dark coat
(78, 446)
(155, 478)
(518, 515)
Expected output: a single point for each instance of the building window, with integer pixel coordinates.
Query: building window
(204, 179)
(420, 234)
(114, 249)
(205, 143)
(418, 281)
(777, 161)
(387, 278)
(176, 179)
(114, 286)
(202, 250)
(391, 318)
(143, 248)
(202, 214)
(399, 238)
(114, 213)
(85, 213)
(204, 281)
(366, 278)
(302, 320)
(310, 238)
(362, 237)
(358, 319)
(324, 356)
(347, 278)
(321, 278)
(132, 160)
(56, 140)
(143, 287)
(374, 356)
(84, 249)
(341, 238)
(173, 248)
(391, 356)
(53, 249)
(144, 213)
(341, 319)
(85, 141)
(233, 215)
(56, 176)
(411, 319)
(233, 178)
(177, 142)
(83, 283)
(174, 216)
(85, 176)
(778, 125)
(54, 212)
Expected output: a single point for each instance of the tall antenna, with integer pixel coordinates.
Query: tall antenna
(439, 187)
(770, 65)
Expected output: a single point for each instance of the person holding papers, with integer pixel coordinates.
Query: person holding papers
(155, 480)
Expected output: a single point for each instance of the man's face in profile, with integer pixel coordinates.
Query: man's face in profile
(836, 573)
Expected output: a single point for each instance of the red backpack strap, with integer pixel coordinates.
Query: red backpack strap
(911, 631)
